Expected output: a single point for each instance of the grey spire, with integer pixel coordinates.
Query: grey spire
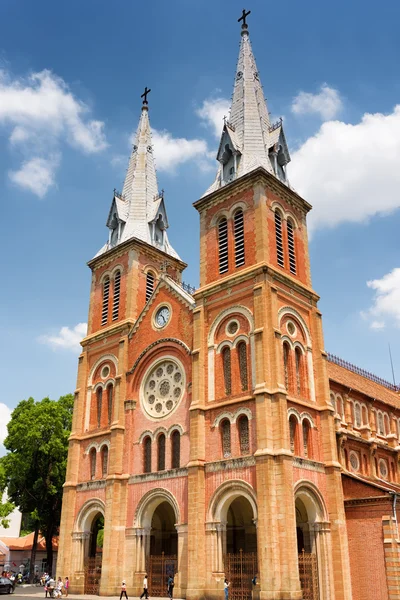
(139, 212)
(248, 139)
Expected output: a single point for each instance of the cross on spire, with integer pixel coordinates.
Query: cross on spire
(243, 17)
(144, 95)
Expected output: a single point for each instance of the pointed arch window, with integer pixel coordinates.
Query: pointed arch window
(99, 399)
(92, 463)
(226, 362)
(244, 439)
(176, 449)
(104, 461)
(223, 245)
(161, 452)
(381, 426)
(278, 239)
(291, 247)
(299, 365)
(357, 415)
(238, 232)
(147, 455)
(117, 293)
(150, 279)
(307, 438)
(110, 390)
(242, 355)
(286, 357)
(293, 425)
(106, 297)
(226, 438)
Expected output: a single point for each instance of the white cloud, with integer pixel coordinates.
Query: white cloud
(41, 112)
(67, 338)
(171, 152)
(386, 302)
(5, 416)
(36, 175)
(350, 172)
(212, 113)
(327, 103)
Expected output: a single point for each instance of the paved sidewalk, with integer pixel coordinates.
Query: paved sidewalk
(31, 591)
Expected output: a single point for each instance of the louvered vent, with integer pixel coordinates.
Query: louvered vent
(238, 229)
(292, 254)
(149, 285)
(223, 245)
(278, 236)
(117, 290)
(106, 296)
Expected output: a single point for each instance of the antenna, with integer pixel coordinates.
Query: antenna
(391, 364)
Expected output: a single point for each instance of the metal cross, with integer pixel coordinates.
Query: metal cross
(144, 95)
(243, 17)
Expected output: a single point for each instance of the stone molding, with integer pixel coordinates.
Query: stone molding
(156, 343)
(310, 465)
(230, 463)
(182, 472)
(98, 484)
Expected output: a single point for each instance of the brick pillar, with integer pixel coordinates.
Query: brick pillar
(392, 557)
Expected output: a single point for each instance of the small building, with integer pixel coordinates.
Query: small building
(15, 553)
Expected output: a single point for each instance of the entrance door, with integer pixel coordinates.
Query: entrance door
(94, 559)
(163, 560)
(240, 569)
(308, 572)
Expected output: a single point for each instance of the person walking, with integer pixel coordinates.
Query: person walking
(170, 586)
(66, 586)
(226, 588)
(123, 591)
(145, 588)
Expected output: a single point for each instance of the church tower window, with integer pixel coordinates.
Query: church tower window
(293, 424)
(238, 229)
(226, 438)
(299, 361)
(99, 398)
(176, 449)
(104, 461)
(242, 354)
(149, 285)
(226, 361)
(306, 438)
(106, 297)
(147, 455)
(117, 291)
(92, 463)
(291, 247)
(161, 453)
(110, 402)
(244, 440)
(278, 239)
(286, 356)
(223, 245)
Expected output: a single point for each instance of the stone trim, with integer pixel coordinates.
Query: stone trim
(129, 405)
(231, 463)
(98, 484)
(182, 472)
(156, 343)
(310, 465)
(368, 500)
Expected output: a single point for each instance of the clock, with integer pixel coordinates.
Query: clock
(162, 317)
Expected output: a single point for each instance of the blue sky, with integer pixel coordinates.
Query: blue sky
(71, 78)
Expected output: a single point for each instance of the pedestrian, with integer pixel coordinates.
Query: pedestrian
(66, 586)
(123, 591)
(145, 588)
(226, 588)
(170, 586)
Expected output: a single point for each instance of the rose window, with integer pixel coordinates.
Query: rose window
(162, 388)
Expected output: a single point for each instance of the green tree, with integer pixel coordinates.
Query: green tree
(35, 466)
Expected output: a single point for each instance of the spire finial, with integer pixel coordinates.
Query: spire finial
(243, 18)
(144, 96)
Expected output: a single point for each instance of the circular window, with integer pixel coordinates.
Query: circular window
(354, 461)
(291, 328)
(232, 327)
(162, 388)
(105, 372)
(383, 470)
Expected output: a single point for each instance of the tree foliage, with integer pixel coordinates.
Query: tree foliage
(35, 466)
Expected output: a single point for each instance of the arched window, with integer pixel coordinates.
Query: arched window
(244, 441)
(226, 361)
(306, 438)
(387, 424)
(278, 239)
(104, 461)
(149, 285)
(147, 455)
(242, 354)
(117, 292)
(291, 247)
(223, 245)
(99, 398)
(161, 452)
(381, 426)
(357, 415)
(92, 463)
(226, 438)
(110, 402)
(333, 401)
(293, 432)
(364, 415)
(299, 364)
(106, 297)
(238, 232)
(286, 357)
(176, 449)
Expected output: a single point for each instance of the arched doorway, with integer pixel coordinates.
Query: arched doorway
(241, 533)
(163, 537)
(94, 558)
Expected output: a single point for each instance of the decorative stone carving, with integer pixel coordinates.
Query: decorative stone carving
(162, 388)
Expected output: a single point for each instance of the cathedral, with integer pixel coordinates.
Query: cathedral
(213, 436)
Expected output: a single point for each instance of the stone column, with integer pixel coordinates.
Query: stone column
(181, 576)
(80, 549)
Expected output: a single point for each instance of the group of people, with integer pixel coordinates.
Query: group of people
(55, 589)
(145, 593)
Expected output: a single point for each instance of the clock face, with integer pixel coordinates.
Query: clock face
(162, 316)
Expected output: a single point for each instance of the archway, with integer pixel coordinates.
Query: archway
(94, 555)
(241, 533)
(163, 537)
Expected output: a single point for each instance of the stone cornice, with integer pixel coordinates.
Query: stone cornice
(368, 500)
(309, 465)
(117, 328)
(171, 473)
(97, 484)
(230, 463)
(156, 343)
